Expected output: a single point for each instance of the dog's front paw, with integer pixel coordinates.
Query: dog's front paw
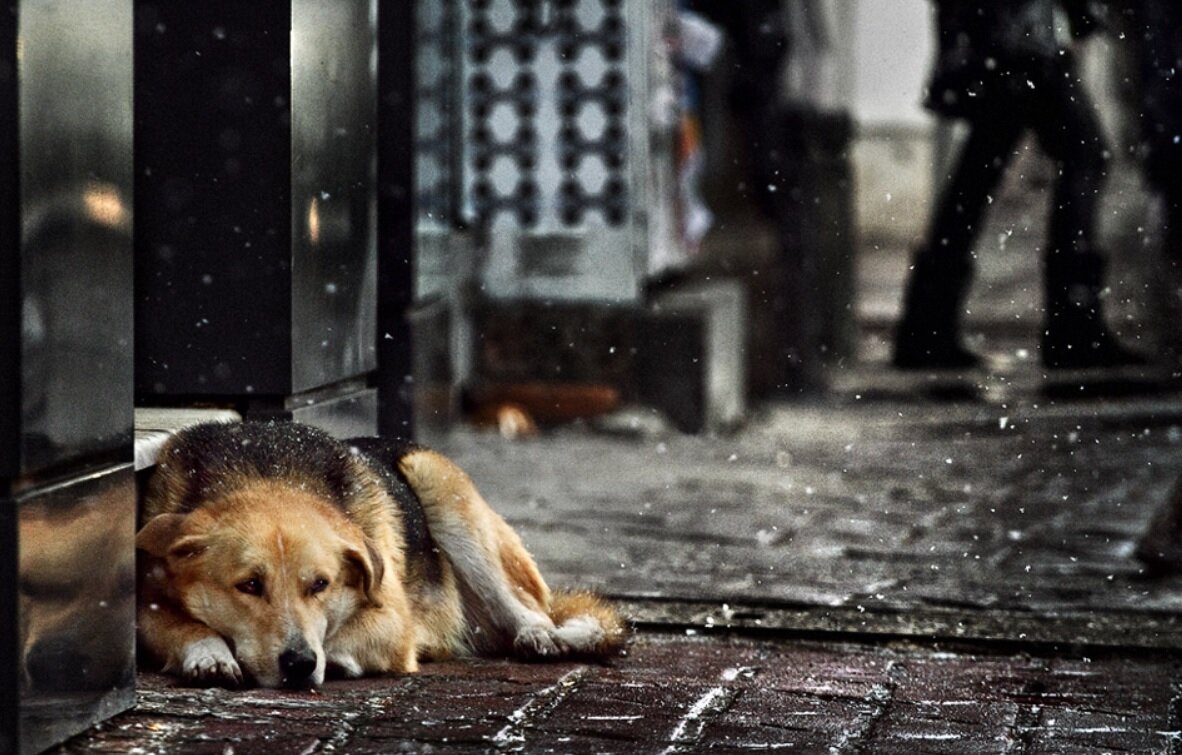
(537, 641)
(209, 661)
(345, 665)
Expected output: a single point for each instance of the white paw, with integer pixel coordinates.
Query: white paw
(581, 633)
(209, 661)
(345, 665)
(537, 640)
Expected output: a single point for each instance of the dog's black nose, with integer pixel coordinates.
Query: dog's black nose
(296, 668)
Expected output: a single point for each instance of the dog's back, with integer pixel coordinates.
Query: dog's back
(359, 475)
(206, 461)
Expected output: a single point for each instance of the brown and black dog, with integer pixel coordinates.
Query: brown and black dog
(273, 553)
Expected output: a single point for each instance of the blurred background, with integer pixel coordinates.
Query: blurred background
(595, 167)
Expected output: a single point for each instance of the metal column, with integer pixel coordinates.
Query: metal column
(67, 492)
(397, 114)
(256, 253)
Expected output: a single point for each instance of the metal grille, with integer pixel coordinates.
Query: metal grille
(534, 135)
(547, 102)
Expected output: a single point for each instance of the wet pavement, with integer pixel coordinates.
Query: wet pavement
(870, 573)
(910, 563)
(681, 694)
(952, 515)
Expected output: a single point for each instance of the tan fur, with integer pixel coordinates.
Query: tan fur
(377, 611)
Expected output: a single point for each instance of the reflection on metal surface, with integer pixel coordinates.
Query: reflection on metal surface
(66, 552)
(314, 221)
(77, 586)
(333, 190)
(75, 605)
(105, 205)
(75, 344)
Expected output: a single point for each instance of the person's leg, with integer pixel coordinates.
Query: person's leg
(928, 334)
(1075, 334)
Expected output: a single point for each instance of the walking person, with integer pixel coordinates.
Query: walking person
(1157, 34)
(1005, 67)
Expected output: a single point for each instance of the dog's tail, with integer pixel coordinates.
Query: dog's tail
(587, 624)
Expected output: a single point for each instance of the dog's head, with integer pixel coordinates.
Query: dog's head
(274, 570)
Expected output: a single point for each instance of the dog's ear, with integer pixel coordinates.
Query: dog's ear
(161, 537)
(370, 565)
(157, 536)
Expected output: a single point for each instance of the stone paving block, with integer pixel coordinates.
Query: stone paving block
(909, 728)
(1086, 731)
(825, 675)
(629, 712)
(674, 693)
(552, 743)
(685, 660)
(954, 681)
(777, 719)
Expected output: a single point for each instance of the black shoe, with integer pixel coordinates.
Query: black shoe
(1076, 337)
(943, 353)
(1160, 548)
(1064, 349)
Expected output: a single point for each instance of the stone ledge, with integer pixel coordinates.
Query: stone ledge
(154, 426)
(685, 354)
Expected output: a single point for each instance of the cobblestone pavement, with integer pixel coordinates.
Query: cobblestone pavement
(966, 518)
(999, 504)
(680, 694)
(897, 575)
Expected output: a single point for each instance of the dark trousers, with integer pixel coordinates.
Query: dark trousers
(1064, 120)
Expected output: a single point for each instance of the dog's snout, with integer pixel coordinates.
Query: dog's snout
(296, 668)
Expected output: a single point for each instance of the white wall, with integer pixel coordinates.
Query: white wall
(888, 54)
(892, 43)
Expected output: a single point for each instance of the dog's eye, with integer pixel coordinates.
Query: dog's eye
(319, 585)
(252, 586)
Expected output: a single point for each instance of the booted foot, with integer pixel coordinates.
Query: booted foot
(1076, 336)
(1160, 548)
(1102, 350)
(928, 334)
(943, 354)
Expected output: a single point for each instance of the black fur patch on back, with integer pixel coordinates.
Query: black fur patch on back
(217, 457)
(383, 455)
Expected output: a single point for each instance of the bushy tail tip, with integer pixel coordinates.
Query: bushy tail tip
(587, 624)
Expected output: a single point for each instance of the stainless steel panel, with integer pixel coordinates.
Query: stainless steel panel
(346, 416)
(10, 224)
(255, 232)
(75, 605)
(75, 154)
(333, 177)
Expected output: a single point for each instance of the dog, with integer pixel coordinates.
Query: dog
(273, 554)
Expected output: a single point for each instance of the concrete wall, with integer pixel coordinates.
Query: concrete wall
(888, 60)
